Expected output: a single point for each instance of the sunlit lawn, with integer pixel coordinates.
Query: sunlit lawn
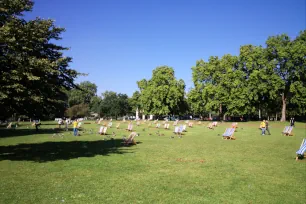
(198, 168)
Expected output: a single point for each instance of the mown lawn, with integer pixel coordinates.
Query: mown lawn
(198, 168)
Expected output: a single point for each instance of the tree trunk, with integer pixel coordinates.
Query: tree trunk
(283, 119)
(209, 114)
(259, 114)
(276, 116)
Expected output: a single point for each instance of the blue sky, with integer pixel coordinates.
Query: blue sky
(119, 42)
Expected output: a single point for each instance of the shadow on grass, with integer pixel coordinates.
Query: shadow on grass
(25, 132)
(53, 151)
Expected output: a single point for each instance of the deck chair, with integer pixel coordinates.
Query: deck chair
(104, 131)
(130, 139)
(215, 124)
(138, 123)
(199, 123)
(118, 125)
(166, 126)
(190, 124)
(157, 125)
(101, 130)
(176, 130)
(181, 129)
(234, 125)
(288, 131)
(229, 134)
(9, 126)
(175, 123)
(300, 153)
(110, 124)
(210, 126)
(130, 128)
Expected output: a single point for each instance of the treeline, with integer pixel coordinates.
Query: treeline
(36, 79)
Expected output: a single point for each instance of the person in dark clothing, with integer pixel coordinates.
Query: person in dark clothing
(267, 127)
(37, 124)
(292, 122)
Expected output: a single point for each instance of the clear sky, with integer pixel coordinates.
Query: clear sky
(119, 42)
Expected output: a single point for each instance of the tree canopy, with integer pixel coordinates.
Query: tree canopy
(34, 72)
(163, 94)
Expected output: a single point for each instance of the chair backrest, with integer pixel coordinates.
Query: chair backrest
(302, 149)
(131, 127)
(286, 129)
(290, 128)
(101, 129)
(184, 127)
(167, 125)
(227, 132)
(231, 131)
(131, 138)
(176, 129)
(181, 129)
(104, 130)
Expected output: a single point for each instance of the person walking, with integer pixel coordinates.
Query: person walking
(263, 127)
(267, 127)
(75, 128)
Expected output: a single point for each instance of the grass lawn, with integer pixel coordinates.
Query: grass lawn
(200, 167)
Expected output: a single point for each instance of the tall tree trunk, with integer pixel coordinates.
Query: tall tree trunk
(283, 119)
(209, 114)
(276, 116)
(259, 114)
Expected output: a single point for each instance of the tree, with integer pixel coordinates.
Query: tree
(114, 104)
(83, 93)
(288, 60)
(34, 72)
(162, 94)
(76, 111)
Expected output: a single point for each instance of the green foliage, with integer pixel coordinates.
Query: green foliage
(34, 73)
(83, 93)
(162, 94)
(254, 80)
(114, 104)
(76, 111)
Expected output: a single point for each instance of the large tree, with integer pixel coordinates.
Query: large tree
(288, 60)
(114, 104)
(83, 93)
(163, 94)
(34, 72)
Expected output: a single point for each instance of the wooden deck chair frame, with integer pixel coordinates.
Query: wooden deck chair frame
(210, 126)
(301, 156)
(131, 139)
(229, 137)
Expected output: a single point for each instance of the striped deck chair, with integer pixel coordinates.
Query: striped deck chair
(130, 139)
(157, 125)
(215, 124)
(288, 131)
(300, 153)
(181, 129)
(184, 128)
(199, 123)
(229, 134)
(190, 124)
(118, 125)
(176, 130)
(130, 126)
(110, 124)
(210, 126)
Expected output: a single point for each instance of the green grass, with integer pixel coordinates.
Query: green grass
(198, 168)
